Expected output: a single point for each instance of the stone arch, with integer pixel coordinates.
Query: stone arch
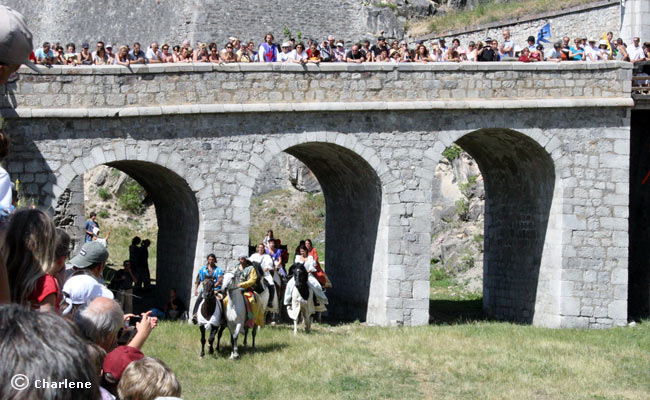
(521, 247)
(353, 180)
(177, 213)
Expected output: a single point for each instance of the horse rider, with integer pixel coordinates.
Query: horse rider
(246, 274)
(309, 263)
(208, 270)
(268, 267)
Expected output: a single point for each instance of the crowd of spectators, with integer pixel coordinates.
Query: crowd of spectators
(333, 50)
(63, 334)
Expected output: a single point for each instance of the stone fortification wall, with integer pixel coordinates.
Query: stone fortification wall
(156, 89)
(124, 21)
(590, 20)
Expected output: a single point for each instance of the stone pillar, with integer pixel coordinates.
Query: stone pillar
(635, 20)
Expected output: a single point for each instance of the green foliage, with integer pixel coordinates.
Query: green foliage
(103, 213)
(440, 277)
(386, 4)
(478, 238)
(452, 152)
(466, 187)
(103, 193)
(131, 199)
(462, 209)
(115, 172)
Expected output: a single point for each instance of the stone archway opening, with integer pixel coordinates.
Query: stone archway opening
(519, 179)
(352, 204)
(177, 215)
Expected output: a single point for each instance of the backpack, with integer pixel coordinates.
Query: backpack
(258, 287)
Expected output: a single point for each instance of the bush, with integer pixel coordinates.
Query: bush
(452, 152)
(104, 194)
(462, 209)
(103, 214)
(131, 199)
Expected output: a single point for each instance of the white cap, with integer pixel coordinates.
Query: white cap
(286, 44)
(15, 38)
(82, 289)
(339, 44)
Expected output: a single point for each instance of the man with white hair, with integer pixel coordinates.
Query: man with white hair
(15, 43)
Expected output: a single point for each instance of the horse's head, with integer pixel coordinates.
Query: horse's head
(229, 281)
(208, 287)
(300, 274)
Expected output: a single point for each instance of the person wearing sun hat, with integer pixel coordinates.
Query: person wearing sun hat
(15, 43)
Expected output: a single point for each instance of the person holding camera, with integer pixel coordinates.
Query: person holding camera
(488, 53)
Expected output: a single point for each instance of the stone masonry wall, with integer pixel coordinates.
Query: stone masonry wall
(556, 173)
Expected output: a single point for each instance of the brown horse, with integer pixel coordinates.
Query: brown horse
(209, 316)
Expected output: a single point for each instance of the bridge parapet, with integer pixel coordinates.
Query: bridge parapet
(100, 91)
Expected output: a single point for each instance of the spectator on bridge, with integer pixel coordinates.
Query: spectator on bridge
(201, 54)
(122, 57)
(591, 51)
(100, 57)
(487, 52)
(285, 54)
(299, 55)
(507, 48)
(636, 51)
(381, 45)
(525, 56)
(109, 53)
(422, 54)
(165, 55)
(556, 53)
(177, 54)
(71, 54)
(383, 56)
(186, 55)
(443, 46)
(576, 52)
(227, 54)
(136, 55)
(44, 55)
(59, 54)
(365, 50)
(153, 54)
(531, 44)
(268, 51)
(99, 45)
(29, 245)
(603, 53)
(354, 55)
(471, 53)
(85, 58)
(538, 54)
(313, 54)
(326, 52)
(244, 55)
(339, 53)
(214, 54)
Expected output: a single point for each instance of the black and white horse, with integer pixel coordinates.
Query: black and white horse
(301, 303)
(209, 316)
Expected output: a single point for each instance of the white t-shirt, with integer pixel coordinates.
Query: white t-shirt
(636, 53)
(294, 55)
(284, 57)
(5, 191)
(151, 55)
(310, 264)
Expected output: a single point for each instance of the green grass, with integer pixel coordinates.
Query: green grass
(306, 219)
(479, 360)
(487, 13)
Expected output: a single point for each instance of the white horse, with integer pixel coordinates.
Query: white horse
(235, 311)
(301, 295)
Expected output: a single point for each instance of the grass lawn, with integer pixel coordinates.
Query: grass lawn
(488, 12)
(475, 360)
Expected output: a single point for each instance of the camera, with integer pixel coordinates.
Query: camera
(133, 320)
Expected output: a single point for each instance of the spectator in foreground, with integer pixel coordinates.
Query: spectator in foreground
(100, 322)
(29, 254)
(135, 382)
(60, 355)
(15, 42)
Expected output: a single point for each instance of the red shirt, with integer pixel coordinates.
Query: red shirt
(45, 286)
(319, 274)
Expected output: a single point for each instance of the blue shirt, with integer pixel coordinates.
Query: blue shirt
(90, 225)
(268, 53)
(216, 273)
(277, 255)
(579, 52)
(41, 55)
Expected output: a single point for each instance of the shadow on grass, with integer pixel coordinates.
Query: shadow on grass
(225, 349)
(453, 312)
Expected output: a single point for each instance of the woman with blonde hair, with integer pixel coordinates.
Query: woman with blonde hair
(147, 379)
(28, 248)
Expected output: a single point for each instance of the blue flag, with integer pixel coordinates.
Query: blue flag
(544, 34)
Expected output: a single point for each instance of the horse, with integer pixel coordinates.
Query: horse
(209, 316)
(235, 311)
(301, 298)
(263, 298)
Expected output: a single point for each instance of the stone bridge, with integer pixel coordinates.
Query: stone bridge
(552, 142)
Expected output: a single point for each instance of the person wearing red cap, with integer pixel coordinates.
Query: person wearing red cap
(15, 43)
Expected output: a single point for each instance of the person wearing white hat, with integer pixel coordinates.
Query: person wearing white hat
(285, 54)
(15, 43)
(339, 53)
